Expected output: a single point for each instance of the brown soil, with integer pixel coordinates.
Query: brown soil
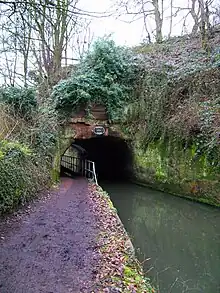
(50, 246)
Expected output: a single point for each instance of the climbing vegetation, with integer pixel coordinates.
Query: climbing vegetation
(22, 174)
(22, 101)
(25, 120)
(175, 120)
(158, 98)
(105, 76)
(184, 111)
(178, 96)
(28, 135)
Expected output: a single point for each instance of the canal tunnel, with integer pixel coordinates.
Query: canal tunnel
(112, 156)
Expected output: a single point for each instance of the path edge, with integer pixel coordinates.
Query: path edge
(131, 277)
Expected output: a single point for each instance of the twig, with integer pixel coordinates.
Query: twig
(145, 260)
(173, 284)
(8, 134)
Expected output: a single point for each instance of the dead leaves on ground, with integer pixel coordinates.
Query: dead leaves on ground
(119, 270)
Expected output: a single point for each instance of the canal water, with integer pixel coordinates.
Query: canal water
(177, 241)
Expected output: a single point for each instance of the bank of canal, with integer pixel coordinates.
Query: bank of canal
(181, 237)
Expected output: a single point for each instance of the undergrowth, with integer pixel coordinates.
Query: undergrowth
(184, 111)
(28, 135)
(175, 124)
(22, 102)
(22, 175)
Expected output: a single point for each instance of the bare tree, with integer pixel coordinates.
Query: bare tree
(52, 26)
(43, 32)
(171, 18)
(200, 12)
(158, 15)
(83, 40)
(146, 9)
(196, 16)
(40, 29)
(216, 15)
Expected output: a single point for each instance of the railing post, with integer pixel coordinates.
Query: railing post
(84, 167)
(94, 173)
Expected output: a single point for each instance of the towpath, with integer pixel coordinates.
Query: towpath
(49, 247)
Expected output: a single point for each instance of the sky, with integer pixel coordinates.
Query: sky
(123, 32)
(121, 29)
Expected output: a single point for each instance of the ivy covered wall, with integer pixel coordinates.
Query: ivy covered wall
(23, 175)
(175, 123)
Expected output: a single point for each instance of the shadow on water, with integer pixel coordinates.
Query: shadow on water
(181, 238)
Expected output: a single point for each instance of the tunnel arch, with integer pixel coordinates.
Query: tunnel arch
(75, 150)
(111, 152)
(112, 156)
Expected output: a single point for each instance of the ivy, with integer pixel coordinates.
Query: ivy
(183, 111)
(22, 101)
(22, 175)
(146, 115)
(28, 136)
(104, 76)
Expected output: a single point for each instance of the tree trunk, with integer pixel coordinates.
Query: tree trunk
(158, 21)
(203, 26)
(195, 17)
(171, 18)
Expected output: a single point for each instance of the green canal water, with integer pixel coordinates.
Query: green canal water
(177, 240)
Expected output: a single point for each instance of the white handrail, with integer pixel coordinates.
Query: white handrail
(90, 167)
(94, 172)
(86, 167)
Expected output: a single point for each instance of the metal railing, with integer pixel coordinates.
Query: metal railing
(71, 163)
(80, 166)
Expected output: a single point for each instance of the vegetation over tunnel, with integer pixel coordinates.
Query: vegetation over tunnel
(112, 156)
(158, 102)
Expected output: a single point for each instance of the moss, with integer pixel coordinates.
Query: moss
(63, 143)
(168, 166)
(134, 279)
(131, 274)
(55, 175)
(9, 147)
(55, 171)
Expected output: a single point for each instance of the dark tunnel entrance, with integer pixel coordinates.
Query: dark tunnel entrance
(112, 157)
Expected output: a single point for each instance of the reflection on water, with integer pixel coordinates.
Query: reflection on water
(181, 238)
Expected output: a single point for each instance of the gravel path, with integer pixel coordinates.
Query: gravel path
(50, 246)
